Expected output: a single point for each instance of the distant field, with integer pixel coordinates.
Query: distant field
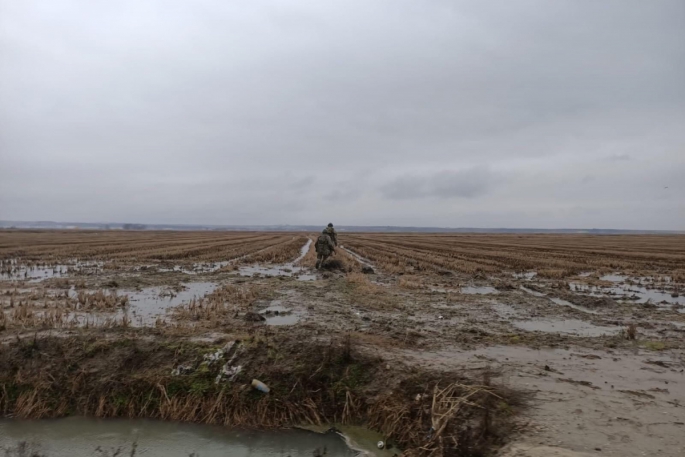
(49, 246)
(552, 256)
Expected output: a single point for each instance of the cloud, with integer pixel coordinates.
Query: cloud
(468, 183)
(619, 157)
(443, 113)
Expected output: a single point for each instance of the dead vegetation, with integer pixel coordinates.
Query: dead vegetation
(68, 250)
(436, 414)
(214, 308)
(551, 256)
(280, 253)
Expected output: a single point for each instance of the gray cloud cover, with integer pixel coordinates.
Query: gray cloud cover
(453, 113)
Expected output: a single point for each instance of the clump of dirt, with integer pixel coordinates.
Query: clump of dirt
(589, 301)
(367, 270)
(310, 382)
(334, 265)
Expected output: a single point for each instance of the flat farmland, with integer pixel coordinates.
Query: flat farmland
(585, 327)
(549, 256)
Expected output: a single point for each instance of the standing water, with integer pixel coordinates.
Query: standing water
(81, 437)
(288, 269)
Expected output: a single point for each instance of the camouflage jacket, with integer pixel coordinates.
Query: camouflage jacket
(330, 231)
(324, 244)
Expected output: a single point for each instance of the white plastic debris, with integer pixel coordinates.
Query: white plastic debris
(181, 369)
(260, 386)
(231, 372)
(214, 356)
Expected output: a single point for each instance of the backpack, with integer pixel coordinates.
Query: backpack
(322, 243)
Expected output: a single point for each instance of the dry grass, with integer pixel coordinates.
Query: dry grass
(214, 308)
(278, 254)
(311, 383)
(411, 283)
(79, 249)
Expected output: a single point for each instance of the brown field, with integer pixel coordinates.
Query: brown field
(551, 256)
(398, 332)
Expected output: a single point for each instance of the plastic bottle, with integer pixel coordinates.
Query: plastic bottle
(260, 386)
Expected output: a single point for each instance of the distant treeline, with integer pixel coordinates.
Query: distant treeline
(134, 227)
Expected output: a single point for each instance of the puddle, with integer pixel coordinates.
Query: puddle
(614, 277)
(34, 274)
(633, 293)
(528, 275)
(15, 272)
(148, 304)
(358, 258)
(474, 290)
(567, 326)
(288, 269)
(79, 437)
(505, 311)
(277, 314)
(561, 302)
(533, 292)
(198, 268)
(306, 277)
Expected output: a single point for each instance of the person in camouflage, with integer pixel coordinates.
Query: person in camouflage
(324, 248)
(332, 233)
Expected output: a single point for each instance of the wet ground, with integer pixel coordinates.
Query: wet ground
(81, 437)
(603, 354)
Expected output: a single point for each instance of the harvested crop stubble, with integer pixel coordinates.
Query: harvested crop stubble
(222, 303)
(50, 247)
(554, 256)
(280, 253)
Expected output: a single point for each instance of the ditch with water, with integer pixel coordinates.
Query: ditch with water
(81, 437)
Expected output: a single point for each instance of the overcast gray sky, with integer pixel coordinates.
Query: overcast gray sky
(372, 112)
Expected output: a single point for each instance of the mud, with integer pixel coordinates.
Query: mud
(569, 326)
(622, 402)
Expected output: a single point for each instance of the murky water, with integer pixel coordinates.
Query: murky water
(561, 302)
(532, 292)
(528, 275)
(567, 326)
(147, 304)
(35, 273)
(634, 293)
(39, 273)
(614, 277)
(505, 311)
(474, 290)
(80, 437)
(287, 269)
(197, 268)
(277, 314)
(358, 258)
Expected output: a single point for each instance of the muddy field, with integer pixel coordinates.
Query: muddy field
(569, 342)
